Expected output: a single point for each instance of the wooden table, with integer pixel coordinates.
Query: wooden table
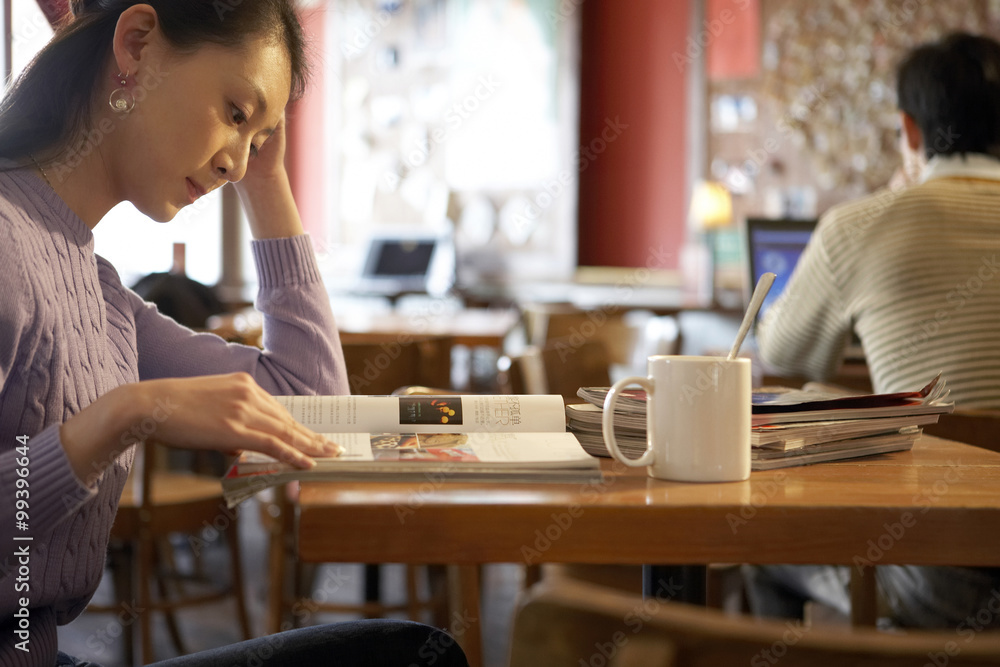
(469, 326)
(938, 504)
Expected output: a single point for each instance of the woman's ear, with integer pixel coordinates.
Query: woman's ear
(911, 132)
(137, 30)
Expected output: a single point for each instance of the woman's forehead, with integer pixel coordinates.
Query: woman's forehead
(263, 64)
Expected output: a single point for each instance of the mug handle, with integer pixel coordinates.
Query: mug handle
(607, 421)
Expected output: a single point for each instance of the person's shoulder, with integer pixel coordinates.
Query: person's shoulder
(111, 282)
(16, 226)
(106, 271)
(853, 219)
(17, 288)
(868, 205)
(20, 212)
(116, 293)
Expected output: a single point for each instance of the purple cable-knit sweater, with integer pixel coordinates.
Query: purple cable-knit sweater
(69, 332)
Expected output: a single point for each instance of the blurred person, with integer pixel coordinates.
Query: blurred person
(913, 270)
(156, 104)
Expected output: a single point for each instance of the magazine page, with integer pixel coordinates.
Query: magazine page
(457, 449)
(800, 434)
(764, 459)
(790, 400)
(769, 402)
(428, 414)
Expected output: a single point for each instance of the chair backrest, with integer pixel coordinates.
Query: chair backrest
(975, 427)
(570, 624)
(379, 364)
(560, 367)
(547, 323)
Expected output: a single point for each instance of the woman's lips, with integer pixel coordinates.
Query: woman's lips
(194, 190)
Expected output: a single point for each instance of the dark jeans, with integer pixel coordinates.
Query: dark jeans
(372, 643)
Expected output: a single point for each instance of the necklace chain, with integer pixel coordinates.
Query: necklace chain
(44, 175)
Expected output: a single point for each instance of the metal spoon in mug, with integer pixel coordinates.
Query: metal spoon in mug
(759, 292)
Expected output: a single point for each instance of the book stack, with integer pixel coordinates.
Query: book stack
(789, 427)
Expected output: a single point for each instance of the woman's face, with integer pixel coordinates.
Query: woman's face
(198, 120)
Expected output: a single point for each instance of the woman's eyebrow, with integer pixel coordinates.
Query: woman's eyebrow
(258, 92)
(261, 102)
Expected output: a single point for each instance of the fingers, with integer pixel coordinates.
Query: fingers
(295, 434)
(277, 449)
(231, 413)
(270, 429)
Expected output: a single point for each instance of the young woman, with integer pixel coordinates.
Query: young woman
(156, 104)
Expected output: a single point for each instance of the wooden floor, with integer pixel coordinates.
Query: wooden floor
(97, 637)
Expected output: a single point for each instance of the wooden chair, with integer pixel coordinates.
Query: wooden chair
(546, 323)
(376, 364)
(562, 366)
(579, 624)
(156, 503)
(381, 363)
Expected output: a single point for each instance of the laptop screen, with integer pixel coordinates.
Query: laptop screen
(400, 258)
(774, 245)
(406, 263)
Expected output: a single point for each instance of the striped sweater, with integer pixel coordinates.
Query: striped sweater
(916, 273)
(70, 332)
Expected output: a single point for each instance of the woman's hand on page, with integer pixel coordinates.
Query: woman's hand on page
(229, 412)
(215, 412)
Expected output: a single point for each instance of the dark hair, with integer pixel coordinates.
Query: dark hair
(951, 88)
(51, 101)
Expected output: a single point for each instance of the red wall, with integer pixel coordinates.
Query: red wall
(633, 195)
(304, 120)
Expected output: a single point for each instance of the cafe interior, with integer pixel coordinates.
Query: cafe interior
(484, 183)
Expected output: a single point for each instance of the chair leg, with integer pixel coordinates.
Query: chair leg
(864, 596)
(532, 575)
(164, 553)
(373, 585)
(437, 582)
(145, 572)
(233, 537)
(122, 573)
(281, 580)
(413, 601)
(464, 581)
(303, 586)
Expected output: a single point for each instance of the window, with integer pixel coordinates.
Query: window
(460, 115)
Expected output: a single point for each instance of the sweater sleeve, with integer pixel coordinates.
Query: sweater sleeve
(807, 328)
(302, 353)
(35, 475)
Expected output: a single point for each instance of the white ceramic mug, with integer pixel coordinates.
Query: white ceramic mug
(697, 419)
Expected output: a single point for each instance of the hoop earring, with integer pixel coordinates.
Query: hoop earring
(121, 100)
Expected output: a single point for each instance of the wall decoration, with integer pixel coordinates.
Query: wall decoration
(829, 77)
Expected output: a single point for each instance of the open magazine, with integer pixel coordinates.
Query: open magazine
(444, 438)
(789, 427)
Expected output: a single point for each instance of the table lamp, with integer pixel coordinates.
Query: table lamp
(711, 210)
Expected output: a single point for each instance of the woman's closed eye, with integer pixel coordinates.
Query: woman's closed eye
(240, 117)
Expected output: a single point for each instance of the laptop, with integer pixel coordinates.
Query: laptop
(775, 245)
(411, 262)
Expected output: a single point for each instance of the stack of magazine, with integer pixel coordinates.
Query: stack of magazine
(789, 427)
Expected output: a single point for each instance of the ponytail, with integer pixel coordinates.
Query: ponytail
(51, 101)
